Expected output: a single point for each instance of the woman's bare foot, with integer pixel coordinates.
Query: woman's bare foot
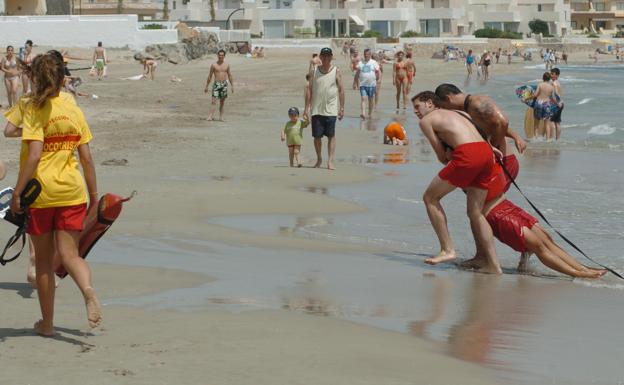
(44, 331)
(330, 166)
(318, 163)
(94, 311)
(444, 256)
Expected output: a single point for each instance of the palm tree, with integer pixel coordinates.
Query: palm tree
(166, 10)
(119, 6)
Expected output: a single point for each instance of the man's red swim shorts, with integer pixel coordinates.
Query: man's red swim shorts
(507, 221)
(511, 164)
(472, 165)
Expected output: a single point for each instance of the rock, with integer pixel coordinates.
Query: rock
(192, 46)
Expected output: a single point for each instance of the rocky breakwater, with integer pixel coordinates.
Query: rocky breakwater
(193, 44)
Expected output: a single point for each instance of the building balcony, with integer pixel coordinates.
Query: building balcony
(283, 14)
(502, 16)
(494, 2)
(391, 14)
(440, 13)
(538, 2)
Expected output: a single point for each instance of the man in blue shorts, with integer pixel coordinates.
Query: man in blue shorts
(367, 75)
(325, 104)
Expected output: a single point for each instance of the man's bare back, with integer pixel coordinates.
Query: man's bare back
(487, 115)
(99, 53)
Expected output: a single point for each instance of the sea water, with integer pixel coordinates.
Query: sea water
(545, 329)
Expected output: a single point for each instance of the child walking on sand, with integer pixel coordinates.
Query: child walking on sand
(293, 135)
(53, 130)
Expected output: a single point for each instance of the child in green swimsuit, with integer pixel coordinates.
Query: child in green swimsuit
(293, 135)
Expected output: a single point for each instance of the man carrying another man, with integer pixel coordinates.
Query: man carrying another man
(470, 165)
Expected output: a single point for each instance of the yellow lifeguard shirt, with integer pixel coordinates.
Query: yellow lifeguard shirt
(61, 126)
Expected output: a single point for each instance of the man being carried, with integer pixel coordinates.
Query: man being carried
(221, 72)
(470, 166)
(367, 75)
(325, 93)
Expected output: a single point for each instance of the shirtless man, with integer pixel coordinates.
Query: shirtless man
(470, 165)
(221, 72)
(488, 116)
(556, 119)
(485, 113)
(99, 60)
(543, 106)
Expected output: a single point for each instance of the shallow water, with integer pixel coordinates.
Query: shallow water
(529, 330)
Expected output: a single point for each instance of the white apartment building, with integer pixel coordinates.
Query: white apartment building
(605, 16)
(333, 18)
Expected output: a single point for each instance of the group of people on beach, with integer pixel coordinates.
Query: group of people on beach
(468, 134)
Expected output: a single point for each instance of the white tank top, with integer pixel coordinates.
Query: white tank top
(324, 93)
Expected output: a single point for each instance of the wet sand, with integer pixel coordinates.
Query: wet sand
(176, 281)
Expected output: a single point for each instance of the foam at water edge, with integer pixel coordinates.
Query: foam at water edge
(602, 129)
(586, 100)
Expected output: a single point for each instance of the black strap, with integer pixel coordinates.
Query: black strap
(569, 242)
(466, 103)
(19, 233)
(480, 130)
(27, 197)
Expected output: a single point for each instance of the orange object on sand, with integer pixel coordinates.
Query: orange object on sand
(394, 130)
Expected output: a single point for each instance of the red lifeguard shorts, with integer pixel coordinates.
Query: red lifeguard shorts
(45, 220)
(501, 182)
(472, 165)
(507, 221)
(511, 164)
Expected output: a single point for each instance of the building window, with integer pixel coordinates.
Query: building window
(620, 5)
(573, 24)
(446, 25)
(600, 6)
(539, 8)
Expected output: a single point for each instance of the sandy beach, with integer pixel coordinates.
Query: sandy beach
(197, 291)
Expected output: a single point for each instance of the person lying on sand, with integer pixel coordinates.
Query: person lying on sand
(519, 230)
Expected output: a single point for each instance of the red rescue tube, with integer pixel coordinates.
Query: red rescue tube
(96, 223)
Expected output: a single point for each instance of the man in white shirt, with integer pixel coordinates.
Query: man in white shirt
(367, 75)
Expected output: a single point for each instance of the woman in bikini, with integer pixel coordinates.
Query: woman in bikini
(411, 69)
(8, 65)
(27, 61)
(399, 78)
